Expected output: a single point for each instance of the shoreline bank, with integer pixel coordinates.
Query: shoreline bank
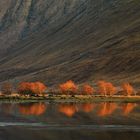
(68, 99)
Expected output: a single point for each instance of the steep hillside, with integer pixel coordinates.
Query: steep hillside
(82, 40)
(18, 18)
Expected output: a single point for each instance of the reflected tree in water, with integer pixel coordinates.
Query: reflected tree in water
(106, 109)
(68, 109)
(128, 108)
(32, 109)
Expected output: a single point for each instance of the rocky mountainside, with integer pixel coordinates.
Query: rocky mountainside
(82, 40)
(18, 18)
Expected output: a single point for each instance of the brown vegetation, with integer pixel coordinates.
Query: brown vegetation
(7, 88)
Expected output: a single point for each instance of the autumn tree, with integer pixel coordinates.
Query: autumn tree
(102, 88)
(127, 89)
(39, 88)
(106, 88)
(111, 89)
(25, 88)
(7, 88)
(69, 87)
(35, 88)
(87, 89)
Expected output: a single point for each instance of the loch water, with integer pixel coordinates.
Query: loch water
(70, 121)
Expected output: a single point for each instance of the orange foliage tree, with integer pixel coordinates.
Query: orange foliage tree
(69, 87)
(106, 88)
(102, 88)
(36, 88)
(127, 89)
(111, 89)
(87, 89)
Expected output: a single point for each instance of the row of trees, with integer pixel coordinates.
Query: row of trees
(25, 88)
(70, 88)
(104, 88)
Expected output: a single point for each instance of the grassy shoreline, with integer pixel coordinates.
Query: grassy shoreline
(67, 98)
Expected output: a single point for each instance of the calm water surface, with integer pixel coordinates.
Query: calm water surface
(69, 121)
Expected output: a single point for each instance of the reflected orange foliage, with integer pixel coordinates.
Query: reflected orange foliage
(87, 89)
(31, 87)
(68, 110)
(107, 109)
(88, 107)
(69, 86)
(106, 88)
(33, 109)
(128, 108)
(127, 89)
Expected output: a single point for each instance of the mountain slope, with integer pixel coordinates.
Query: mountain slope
(82, 40)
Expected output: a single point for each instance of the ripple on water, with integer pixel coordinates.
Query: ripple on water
(73, 127)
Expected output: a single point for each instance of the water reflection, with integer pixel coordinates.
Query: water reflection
(88, 107)
(107, 109)
(6, 108)
(32, 109)
(128, 108)
(68, 109)
(44, 119)
(103, 109)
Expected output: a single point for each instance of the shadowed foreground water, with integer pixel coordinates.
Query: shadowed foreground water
(69, 121)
